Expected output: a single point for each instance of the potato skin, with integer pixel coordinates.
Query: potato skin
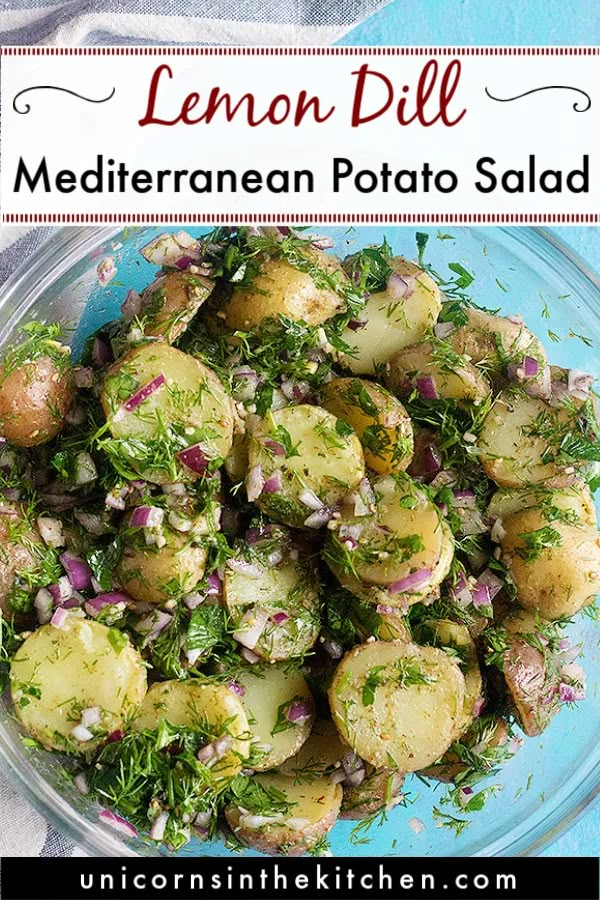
(557, 580)
(479, 340)
(383, 426)
(16, 554)
(172, 301)
(280, 289)
(381, 789)
(34, 400)
(462, 382)
(489, 730)
(532, 690)
(145, 572)
(74, 667)
(409, 726)
(318, 802)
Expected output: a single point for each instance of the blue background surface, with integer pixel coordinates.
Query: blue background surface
(462, 22)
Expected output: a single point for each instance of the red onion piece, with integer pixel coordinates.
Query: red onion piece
(101, 353)
(140, 396)
(106, 270)
(249, 656)
(146, 517)
(78, 571)
(214, 583)
(115, 736)
(118, 823)
(274, 447)
(159, 825)
(416, 825)
(463, 499)
(59, 617)
(236, 688)
(427, 388)
(295, 390)
(184, 261)
(579, 384)
(279, 618)
(95, 606)
(566, 693)
(401, 287)
(319, 518)
(194, 458)
(309, 498)
(530, 367)
(516, 319)
(479, 706)
(153, 625)
(298, 712)
(243, 567)
(61, 591)
(322, 243)
(432, 460)
(493, 583)
(481, 595)
(357, 324)
(251, 627)
(355, 779)
(131, 306)
(411, 583)
(443, 330)
(254, 483)
(273, 484)
(384, 610)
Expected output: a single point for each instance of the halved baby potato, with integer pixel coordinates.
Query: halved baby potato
(432, 368)
(398, 705)
(171, 302)
(497, 342)
(313, 809)
(270, 693)
(519, 440)
(274, 609)
(399, 554)
(35, 397)
(153, 574)
(575, 501)
(455, 638)
(394, 318)
(381, 422)
(58, 673)
(281, 289)
(532, 680)
(22, 553)
(159, 403)
(302, 458)
(206, 705)
(555, 565)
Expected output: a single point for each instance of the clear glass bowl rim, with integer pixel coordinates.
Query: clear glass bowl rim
(61, 251)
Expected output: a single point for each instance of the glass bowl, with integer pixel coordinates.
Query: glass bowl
(520, 270)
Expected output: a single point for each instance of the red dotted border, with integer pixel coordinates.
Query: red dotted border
(300, 218)
(300, 51)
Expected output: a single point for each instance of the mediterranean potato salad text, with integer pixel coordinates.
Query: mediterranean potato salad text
(294, 532)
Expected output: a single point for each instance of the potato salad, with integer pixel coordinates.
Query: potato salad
(292, 533)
